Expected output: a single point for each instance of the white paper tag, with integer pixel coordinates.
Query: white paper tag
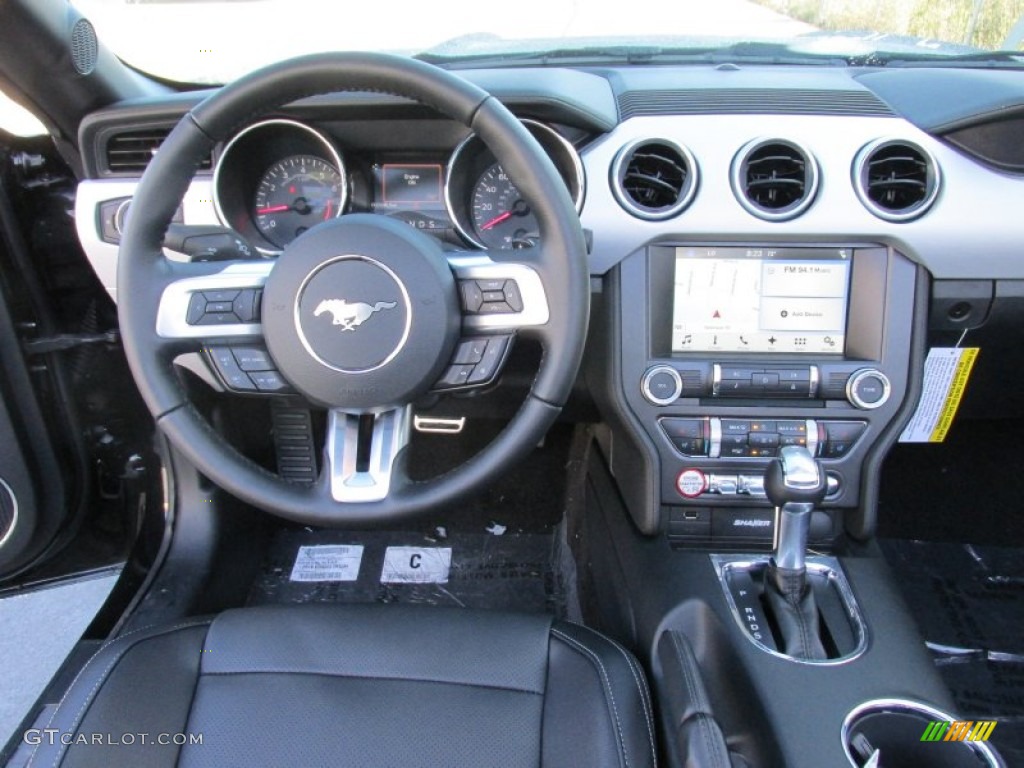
(416, 565)
(946, 371)
(328, 562)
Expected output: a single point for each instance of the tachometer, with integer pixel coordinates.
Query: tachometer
(293, 195)
(501, 217)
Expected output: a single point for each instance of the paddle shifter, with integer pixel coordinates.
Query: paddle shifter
(794, 483)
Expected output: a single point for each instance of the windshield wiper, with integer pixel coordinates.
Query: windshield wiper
(982, 59)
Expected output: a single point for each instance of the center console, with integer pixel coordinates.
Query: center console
(728, 353)
(748, 395)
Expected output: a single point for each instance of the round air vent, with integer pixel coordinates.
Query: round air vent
(895, 179)
(654, 179)
(774, 179)
(84, 47)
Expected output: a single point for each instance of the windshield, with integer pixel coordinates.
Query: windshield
(213, 42)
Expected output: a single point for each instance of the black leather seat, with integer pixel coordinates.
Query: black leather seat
(368, 685)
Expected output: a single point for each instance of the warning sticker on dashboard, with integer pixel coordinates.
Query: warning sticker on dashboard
(946, 371)
(328, 562)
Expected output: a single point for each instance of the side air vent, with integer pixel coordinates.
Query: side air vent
(774, 179)
(895, 179)
(129, 152)
(654, 179)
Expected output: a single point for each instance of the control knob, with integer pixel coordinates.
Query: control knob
(868, 389)
(661, 385)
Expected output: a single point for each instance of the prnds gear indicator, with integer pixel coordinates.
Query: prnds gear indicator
(760, 300)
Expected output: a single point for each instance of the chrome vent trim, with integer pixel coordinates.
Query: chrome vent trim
(654, 179)
(896, 179)
(774, 179)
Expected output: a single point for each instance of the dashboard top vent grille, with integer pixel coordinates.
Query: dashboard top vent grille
(774, 179)
(129, 152)
(895, 179)
(654, 179)
(751, 101)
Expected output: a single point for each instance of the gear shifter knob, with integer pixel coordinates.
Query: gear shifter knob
(794, 477)
(794, 483)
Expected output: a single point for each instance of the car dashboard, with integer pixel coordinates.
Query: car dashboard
(769, 246)
(773, 253)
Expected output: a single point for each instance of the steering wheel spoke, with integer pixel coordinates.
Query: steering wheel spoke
(360, 452)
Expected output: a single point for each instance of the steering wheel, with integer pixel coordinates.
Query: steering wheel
(361, 315)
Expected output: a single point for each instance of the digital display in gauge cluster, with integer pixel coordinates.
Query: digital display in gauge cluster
(413, 192)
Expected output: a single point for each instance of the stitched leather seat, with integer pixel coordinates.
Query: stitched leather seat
(357, 686)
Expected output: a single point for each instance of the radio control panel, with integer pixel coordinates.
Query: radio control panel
(864, 388)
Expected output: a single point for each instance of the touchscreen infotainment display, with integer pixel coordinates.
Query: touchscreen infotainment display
(783, 300)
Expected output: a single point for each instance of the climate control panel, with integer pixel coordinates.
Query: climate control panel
(713, 437)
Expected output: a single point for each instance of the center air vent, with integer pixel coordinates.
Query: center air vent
(654, 179)
(895, 180)
(129, 152)
(774, 179)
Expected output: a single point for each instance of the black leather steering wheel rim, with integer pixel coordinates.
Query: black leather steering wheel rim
(143, 273)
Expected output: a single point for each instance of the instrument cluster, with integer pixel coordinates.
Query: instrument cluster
(279, 178)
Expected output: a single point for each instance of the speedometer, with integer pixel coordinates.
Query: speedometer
(501, 217)
(293, 195)
(486, 207)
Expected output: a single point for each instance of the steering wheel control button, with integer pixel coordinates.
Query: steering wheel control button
(230, 373)
(246, 305)
(487, 369)
(456, 376)
(269, 381)
(472, 296)
(512, 295)
(691, 483)
(491, 296)
(477, 362)
(868, 389)
(470, 351)
(661, 385)
(253, 359)
(221, 296)
(217, 308)
(219, 318)
(196, 309)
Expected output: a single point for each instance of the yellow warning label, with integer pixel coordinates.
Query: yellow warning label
(961, 373)
(946, 371)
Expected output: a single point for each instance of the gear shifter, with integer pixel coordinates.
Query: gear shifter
(794, 483)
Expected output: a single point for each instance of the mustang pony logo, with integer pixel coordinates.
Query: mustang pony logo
(350, 316)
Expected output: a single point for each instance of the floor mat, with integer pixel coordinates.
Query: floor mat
(968, 601)
(494, 568)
